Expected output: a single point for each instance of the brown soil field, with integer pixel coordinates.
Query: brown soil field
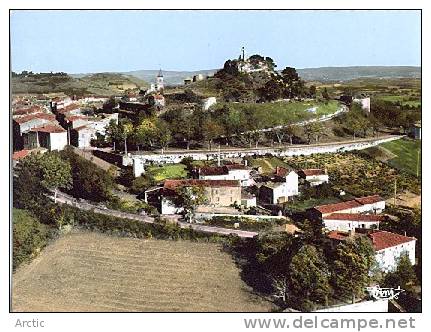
(90, 272)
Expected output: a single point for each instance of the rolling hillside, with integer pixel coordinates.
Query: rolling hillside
(99, 84)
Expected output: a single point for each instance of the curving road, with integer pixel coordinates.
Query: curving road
(63, 198)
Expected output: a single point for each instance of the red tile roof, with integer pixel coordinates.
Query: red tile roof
(174, 184)
(49, 128)
(383, 239)
(328, 208)
(20, 154)
(355, 217)
(380, 239)
(206, 171)
(45, 116)
(27, 110)
(281, 171)
(68, 108)
(369, 199)
(82, 128)
(76, 117)
(312, 172)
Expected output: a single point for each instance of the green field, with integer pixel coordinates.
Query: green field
(403, 99)
(160, 173)
(272, 114)
(407, 154)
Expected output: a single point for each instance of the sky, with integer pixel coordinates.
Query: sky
(102, 41)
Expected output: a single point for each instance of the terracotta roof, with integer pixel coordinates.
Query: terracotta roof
(20, 154)
(282, 171)
(383, 239)
(27, 110)
(380, 239)
(355, 217)
(213, 171)
(369, 199)
(328, 208)
(174, 184)
(83, 127)
(45, 116)
(159, 97)
(69, 108)
(76, 117)
(312, 171)
(49, 128)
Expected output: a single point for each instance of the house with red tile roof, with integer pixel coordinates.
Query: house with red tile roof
(227, 172)
(388, 246)
(217, 192)
(314, 176)
(350, 221)
(370, 204)
(49, 136)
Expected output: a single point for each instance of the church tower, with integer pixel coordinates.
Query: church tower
(159, 81)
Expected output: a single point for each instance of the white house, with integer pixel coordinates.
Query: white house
(285, 185)
(248, 200)
(81, 136)
(100, 123)
(49, 136)
(227, 172)
(388, 246)
(350, 221)
(364, 102)
(416, 130)
(314, 176)
(370, 204)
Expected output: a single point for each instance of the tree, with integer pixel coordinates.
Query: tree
(309, 276)
(291, 131)
(404, 276)
(272, 90)
(314, 129)
(353, 262)
(163, 134)
(113, 133)
(190, 197)
(127, 130)
(49, 169)
(210, 131)
(146, 132)
(312, 91)
(89, 181)
(325, 94)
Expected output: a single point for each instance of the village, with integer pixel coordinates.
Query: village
(233, 189)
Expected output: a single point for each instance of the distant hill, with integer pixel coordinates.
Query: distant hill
(170, 77)
(350, 73)
(81, 84)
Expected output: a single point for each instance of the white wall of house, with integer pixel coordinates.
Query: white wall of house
(347, 225)
(58, 140)
(364, 102)
(248, 202)
(33, 123)
(100, 124)
(387, 258)
(377, 207)
(316, 180)
(168, 207)
(84, 137)
(243, 175)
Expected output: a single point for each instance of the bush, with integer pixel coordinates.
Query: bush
(29, 236)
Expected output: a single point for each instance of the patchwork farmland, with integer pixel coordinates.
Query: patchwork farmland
(94, 272)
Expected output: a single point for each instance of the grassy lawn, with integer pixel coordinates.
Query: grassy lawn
(282, 112)
(175, 171)
(406, 152)
(268, 164)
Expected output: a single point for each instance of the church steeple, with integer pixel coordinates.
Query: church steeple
(160, 74)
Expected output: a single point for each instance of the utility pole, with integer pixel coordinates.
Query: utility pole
(218, 156)
(395, 192)
(243, 53)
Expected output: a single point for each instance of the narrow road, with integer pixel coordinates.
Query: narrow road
(83, 205)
